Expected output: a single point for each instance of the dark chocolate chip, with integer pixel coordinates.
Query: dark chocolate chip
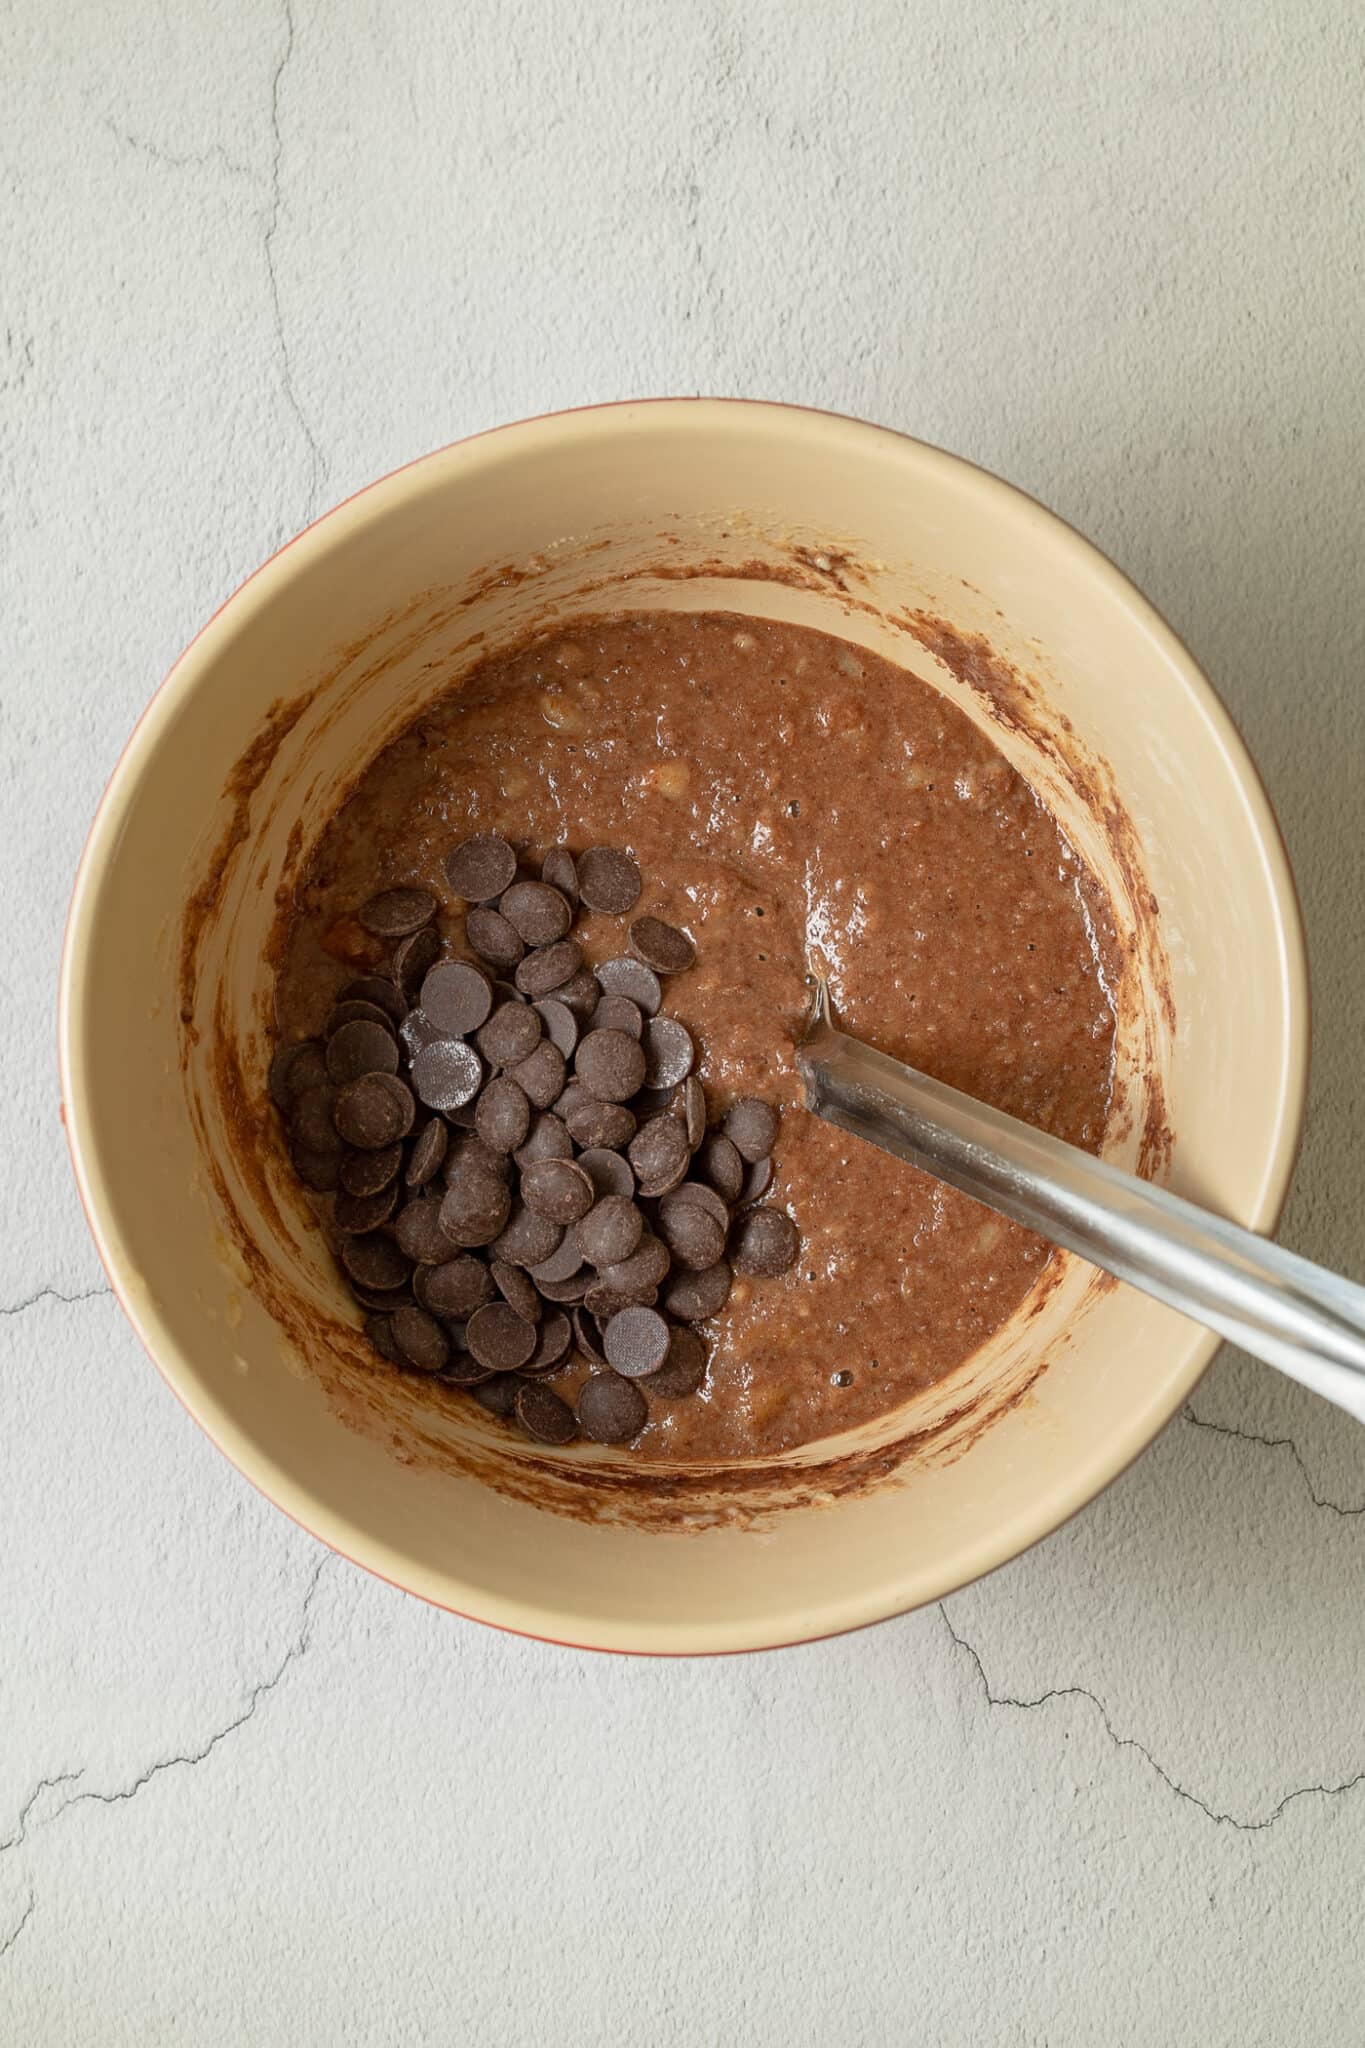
(586, 1335)
(457, 996)
(419, 1231)
(359, 1213)
(609, 1172)
(469, 1154)
(608, 880)
(492, 937)
(765, 1241)
(499, 1394)
(502, 1116)
(682, 1372)
(552, 1344)
(539, 915)
(416, 1031)
(610, 1065)
(560, 870)
(543, 1415)
(373, 988)
(374, 1111)
(516, 1289)
(420, 1338)
(383, 1300)
(361, 1048)
(365, 1173)
(312, 1120)
(394, 913)
(464, 1370)
(557, 1188)
(636, 1342)
(661, 946)
(356, 1012)
(659, 1156)
(694, 1236)
(599, 1124)
(611, 1231)
(641, 1273)
(606, 1302)
(560, 1024)
(428, 1154)
(499, 1338)
(751, 1126)
(541, 1075)
(297, 1068)
(618, 1013)
(719, 1163)
(697, 1191)
(379, 1330)
(692, 1297)
(413, 957)
(455, 1288)
(511, 1034)
(562, 1263)
(610, 1409)
(375, 1261)
(547, 1139)
(549, 967)
(757, 1181)
(580, 994)
(474, 1208)
(319, 1171)
(669, 1052)
(446, 1074)
(481, 868)
(527, 1239)
(628, 977)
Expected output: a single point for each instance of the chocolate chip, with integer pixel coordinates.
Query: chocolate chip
(552, 1345)
(562, 1263)
(541, 1075)
(312, 1120)
(373, 988)
(682, 1372)
(297, 1068)
(355, 1012)
(379, 1330)
(597, 1124)
(561, 872)
(692, 1297)
(609, 1172)
(470, 1154)
(669, 1053)
(394, 913)
(641, 1273)
(416, 1031)
(757, 1181)
(359, 1213)
(475, 1208)
(464, 1370)
(515, 1289)
(547, 1139)
(697, 1191)
(618, 1013)
(375, 1261)
(481, 868)
(457, 997)
(631, 978)
(610, 1409)
(527, 1239)
(499, 1338)
(538, 914)
(580, 994)
(446, 1074)
(511, 1034)
(585, 1334)
(413, 957)
(765, 1241)
(751, 1126)
(383, 1300)
(612, 1230)
(455, 1288)
(610, 1065)
(420, 1338)
(543, 1415)
(319, 1171)
(659, 1156)
(361, 1048)
(419, 1233)
(365, 1173)
(560, 1024)
(427, 1154)
(661, 946)
(549, 967)
(374, 1111)
(720, 1164)
(636, 1342)
(557, 1188)
(694, 1236)
(502, 1116)
(608, 880)
(498, 1395)
(570, 1289)
(493, 938)
(605, 1302)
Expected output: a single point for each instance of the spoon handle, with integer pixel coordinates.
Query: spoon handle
(1296, 1316)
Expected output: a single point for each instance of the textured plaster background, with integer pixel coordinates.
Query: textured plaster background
(254, 253)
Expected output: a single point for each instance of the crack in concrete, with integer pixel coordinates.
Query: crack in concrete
(200, 160)
(1273, 1443)
(8, 1943)
(317, 462)
(187, 1759)
(18, 1308)
(1080, 1692)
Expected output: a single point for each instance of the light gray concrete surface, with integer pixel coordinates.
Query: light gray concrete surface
(255, 253)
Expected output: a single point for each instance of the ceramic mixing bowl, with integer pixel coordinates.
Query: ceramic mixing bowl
(268, 718)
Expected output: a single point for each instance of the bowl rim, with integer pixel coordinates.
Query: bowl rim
(525, 1618)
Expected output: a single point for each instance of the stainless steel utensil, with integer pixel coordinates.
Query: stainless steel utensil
(1307, 1322)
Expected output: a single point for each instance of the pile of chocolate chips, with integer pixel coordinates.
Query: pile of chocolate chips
(518, 1151)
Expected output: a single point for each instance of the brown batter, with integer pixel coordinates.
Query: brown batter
(794, 803)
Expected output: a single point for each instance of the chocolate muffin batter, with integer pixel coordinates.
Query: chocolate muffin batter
(794, 803)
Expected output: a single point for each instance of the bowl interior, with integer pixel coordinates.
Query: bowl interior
(320, 659)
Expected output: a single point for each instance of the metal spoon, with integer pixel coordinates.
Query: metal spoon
(1296, 1316)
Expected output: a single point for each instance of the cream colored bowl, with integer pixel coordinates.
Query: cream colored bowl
(272, 712)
